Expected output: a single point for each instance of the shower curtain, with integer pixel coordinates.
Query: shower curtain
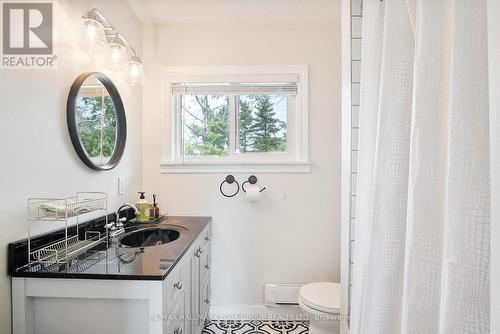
(421, 255)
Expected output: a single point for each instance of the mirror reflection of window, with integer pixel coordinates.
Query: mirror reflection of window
(96, 121)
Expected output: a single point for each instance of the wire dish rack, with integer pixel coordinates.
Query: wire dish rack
(76, 265)
(63, 210)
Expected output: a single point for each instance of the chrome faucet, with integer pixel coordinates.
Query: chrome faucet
(116, 227)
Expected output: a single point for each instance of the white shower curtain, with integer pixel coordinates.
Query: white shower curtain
(421, 256)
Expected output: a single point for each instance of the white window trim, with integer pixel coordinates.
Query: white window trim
(171, 157)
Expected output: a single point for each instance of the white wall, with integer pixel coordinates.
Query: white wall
(274, 240)
(37, 156)
(494, 73)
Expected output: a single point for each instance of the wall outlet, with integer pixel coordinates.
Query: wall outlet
(121, 185)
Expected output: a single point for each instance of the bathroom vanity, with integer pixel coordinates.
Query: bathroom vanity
(122, 286)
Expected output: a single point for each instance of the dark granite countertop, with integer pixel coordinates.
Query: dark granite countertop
(114, 261)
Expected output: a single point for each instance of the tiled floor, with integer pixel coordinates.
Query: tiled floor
(255, 327)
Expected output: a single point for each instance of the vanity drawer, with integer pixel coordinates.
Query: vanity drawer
(205, 297)
(205, 237)
(205, 263)
(176, 285)
(176, 326)
(175, 309)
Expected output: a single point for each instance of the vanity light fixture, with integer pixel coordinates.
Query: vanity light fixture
(101, 35)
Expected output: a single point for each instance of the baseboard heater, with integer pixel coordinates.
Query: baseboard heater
(276, 294)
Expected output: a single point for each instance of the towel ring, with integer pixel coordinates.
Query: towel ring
(252, 179)
(229, 180)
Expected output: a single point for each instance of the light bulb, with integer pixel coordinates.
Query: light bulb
(91, 33)
(135, 71)
(95, 37)
(117, 55)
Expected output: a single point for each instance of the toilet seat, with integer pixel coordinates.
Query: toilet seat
(321, 296)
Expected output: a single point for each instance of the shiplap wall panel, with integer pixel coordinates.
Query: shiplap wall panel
(356, 29)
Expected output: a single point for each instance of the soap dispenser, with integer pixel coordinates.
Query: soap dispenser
(143, 207)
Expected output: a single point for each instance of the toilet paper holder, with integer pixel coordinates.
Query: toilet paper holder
(252, 179)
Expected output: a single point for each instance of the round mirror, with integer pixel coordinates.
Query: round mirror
(96, 121)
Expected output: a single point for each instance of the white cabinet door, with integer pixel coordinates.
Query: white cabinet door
(176, 287)
(200, 288)
(195, 289)
(189, 282)
(205, 280)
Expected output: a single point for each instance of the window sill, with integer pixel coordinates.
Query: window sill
(278, 167)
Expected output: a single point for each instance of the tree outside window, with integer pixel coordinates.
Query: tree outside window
(260, 124)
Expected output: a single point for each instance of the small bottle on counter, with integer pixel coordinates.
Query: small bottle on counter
(143, 207)
(156, 209)
(151, 212)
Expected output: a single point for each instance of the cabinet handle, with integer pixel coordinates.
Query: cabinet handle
(178, 330)
(197, 253)
(178, 285)
(207, 267)
(207, 301)
(207, 238)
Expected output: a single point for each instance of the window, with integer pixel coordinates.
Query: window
(261, 123)
(232, 119)
(227, 116)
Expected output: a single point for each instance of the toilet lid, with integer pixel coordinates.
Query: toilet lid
(321, 296)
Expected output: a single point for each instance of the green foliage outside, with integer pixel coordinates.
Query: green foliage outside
(97, 125)
(260, 130)
(246, 120)
(207, 130)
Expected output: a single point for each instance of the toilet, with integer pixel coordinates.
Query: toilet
(321, 302)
